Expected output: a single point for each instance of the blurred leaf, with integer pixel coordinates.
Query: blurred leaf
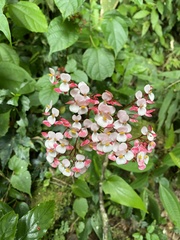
(81, 189)
(4, 27)
(153, 207)
(170, 138)
(4, 208)
(21, 208)
(171, 204)
(68, 7)
(96, 223)
(154, 18)
(168, 160)
(175, 159)
(121, 192)
(28, 15)
(107, 5)
(141, 14)
(114, 32)
(10, 219)
(4, 123)
(145, 28)
(61, 34)
(140, 181)
(172, 110)
(98, 63)
(80, 206)
(35, 223)
(8, 54)
(71, 65)
(17, 165)
(158, 30)
(6, 147)
(2, 3)
(22, 182)
(20, 82)
(79, 76)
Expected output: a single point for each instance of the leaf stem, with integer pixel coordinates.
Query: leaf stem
(101, 201)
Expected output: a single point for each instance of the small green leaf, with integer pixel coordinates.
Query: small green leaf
(96, 223)
(158, 30)
(61, 34)
(79, 76)
(154, 18)
(114, 32)
(22, 182)
(4, 208)
(68, 7)
(122, 193)
(170, 138)
(80, 206)
(98, 63)
(141, 14)
(71, 65)
(10, 219)
(81, 189)
(107, 5)
(175, 159)
(4, 27)
(35, 223)
(28, 15)
(171, 204)
(4, 123)
(145, 28)
(8, 54)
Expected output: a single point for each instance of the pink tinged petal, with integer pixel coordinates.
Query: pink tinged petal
(44, 134)
(138, 94)
(47, 123)
(50, 159)
(87, 162)
(61, 149)
(84, 89)
(129, 155)
(150, 137)
(48, 107)
(57, 90)
(64, 87)
(59, 136)
(107, 96)
(74, 92)
(142, 166)
(74, 108)
(67, 172)
(80, 157)
(76, 125)
(112, 157)
(83, 133)
(66, 162)
(55, 112)
(65, 77)
(94, 137)
(121, 160)
(107, 148)
(61, 167)
(55, 164)
(51, 119)
(151, 96)
(87, 123)
(121, 137)
(141, 111)
(82, 110)
(144, 130)
(67, 135)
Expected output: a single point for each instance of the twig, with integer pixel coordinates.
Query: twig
(101, 201)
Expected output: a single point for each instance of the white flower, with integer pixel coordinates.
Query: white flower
(52, 118)
(148, 90)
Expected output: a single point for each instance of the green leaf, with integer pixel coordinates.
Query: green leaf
(61, 34)
(154, 18)
(175, 159)
(133, 167)
(81, 189)
(9, 220)
(158, 30)
(2, 3)
(71, 65)
(96, 222)
(17, 165)
(171, 204)
(114, 32)
(79, 76)
(68, 7)
(21, 82)
(4, 123)
(104, 66)
(80, 206)
(170, 138)
(22, 182)
(4, 208)
(47, 94)
(141, 14)
(107, 5)
(145, 28)
(121, 192)
(4, 27)
(8, 54)
(35, 223)
(28, 15)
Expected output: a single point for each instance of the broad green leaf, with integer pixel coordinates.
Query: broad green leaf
(175, 159)
(4, 208)
(22, 182)
(133, 167)
(141, 14)
(154, 18)
(121, 192)
(61, 34)
(47, 94)
(2, 3)
(8, 54)
(68, 7)
(98, 63)
(21, 82)
(171, 204)
(168, 160)
(80, 206)
(71, 65)
(158, 30)
(8, 226)
(96, 222)
(35, 223)
(79, 76)
(107, 5)
(4, 123)
(21, 208)
(81, 189)
(17, 165)
(4, 27)
(141, 181)
(28, 15)
(114, 32)
(145, 28)
(160, 7)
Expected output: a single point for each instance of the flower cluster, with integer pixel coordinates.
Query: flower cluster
(98, 123)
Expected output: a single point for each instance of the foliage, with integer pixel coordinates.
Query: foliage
(117, 45)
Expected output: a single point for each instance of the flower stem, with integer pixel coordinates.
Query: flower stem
(101, 201)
